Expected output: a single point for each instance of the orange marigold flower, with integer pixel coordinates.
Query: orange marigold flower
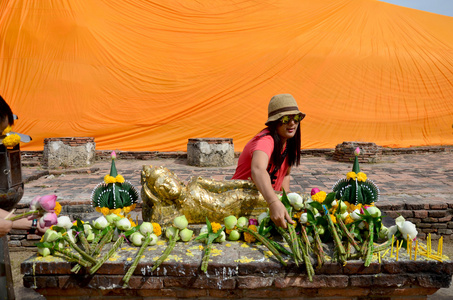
(348, 220)
(215, 227)
(98, 209)
(334, 219)
(157, 230)
(319, 196)
(351, 175)
(109, 179)
(361, 176)
(57, 208)
(297, 215)
(119, 178)
(248, 237)
(105, 211)
(116, 211)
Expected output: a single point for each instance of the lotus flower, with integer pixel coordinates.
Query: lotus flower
(113, 155)
(124, 224)
(342, 207)
(50, 236)
(170, 231)
(112, 218)
(221, 238)
(154, 239)
(43, 251)
(49, 219)
(100, 223)
(234, 235)
(314, 191)
(303, 218)
(186, 234)
(48, 202)
(357, 151)
(296, 201)
(408, 228)
(146, 227)
(355, 215)
(137, 239)
(253, 222)
(180, 222)
(230, 222)
(373, 211)
(64, 222)
(242, 221)
(261, 217)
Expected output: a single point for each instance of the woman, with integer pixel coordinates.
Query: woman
(31, 224)
(268, 157)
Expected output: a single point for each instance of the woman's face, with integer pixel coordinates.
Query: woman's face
(287, 129)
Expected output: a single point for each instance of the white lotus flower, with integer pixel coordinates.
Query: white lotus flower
(51, 236)
(261, 217)
(230, 222)
(399, 221)
(303, 218)
(101, 223)
(408, 228)
(180, 222)
(170, 232)
(373, 211)
(295, 200)
(64, 222)
(243, 221)
(112, 218)
(124, 224)
(221, 238)
(72, 236)
(383, 233)
(392, 230)
(355, 215)
(342, 207)
(154, 239)
(186, 234)
(234, 235)
(146, 227)
(87, 229)
(43, 251)
(137, 239)
(344, 215)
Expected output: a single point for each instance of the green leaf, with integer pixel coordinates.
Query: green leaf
(316, 205)
(202, 236)
(209, 225)
(285, 200)
(310, 217)
(132, 230)
(329, 199)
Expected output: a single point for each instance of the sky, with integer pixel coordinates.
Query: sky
(442, 7)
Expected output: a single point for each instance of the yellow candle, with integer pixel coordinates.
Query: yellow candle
(416, 248)
(439, 246)
(429, 244)
(397, 250)
(409, 248)
(385, 253)
(379, 255)
(391, 252)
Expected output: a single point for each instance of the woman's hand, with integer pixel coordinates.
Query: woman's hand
(279, 214)
(5, 227)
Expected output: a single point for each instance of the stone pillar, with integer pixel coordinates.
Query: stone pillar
(210, 152)
(69, 152)
(369, 152)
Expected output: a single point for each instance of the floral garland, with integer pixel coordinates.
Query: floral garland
(11, 139)
(359, 176)
(110, 179)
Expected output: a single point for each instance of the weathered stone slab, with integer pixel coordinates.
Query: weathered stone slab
(210, 152)
(69, 152)
(236, 270)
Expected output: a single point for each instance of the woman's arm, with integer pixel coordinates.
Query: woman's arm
(285, 183)
(5, 226)
(279, 214)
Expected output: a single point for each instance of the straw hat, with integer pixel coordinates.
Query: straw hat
(282, 105)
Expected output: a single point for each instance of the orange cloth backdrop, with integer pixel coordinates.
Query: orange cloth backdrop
(147, 75)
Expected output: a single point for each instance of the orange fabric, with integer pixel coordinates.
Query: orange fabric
(147, 75)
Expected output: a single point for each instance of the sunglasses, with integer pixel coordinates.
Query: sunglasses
(287, 119)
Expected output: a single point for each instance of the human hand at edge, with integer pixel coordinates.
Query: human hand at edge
(5, 226)
(279, 214)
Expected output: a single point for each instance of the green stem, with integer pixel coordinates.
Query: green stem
(369, 255)
(205, 261)
(23, 215)
(336, 238)
(112, 250)
(131, 270)
(348, 234)
(96, 247)
(74, 258)
(294, 241)
(318, 246)
(84, 241)
(171, 245)
(308, 264)
(265, 243)
(81, 252)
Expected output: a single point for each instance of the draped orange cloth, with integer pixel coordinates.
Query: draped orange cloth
(148, 75)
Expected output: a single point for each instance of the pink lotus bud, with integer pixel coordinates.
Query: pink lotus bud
(34, 203)
(357, 151)
(113, 155)
(314, 191)
(48, 202)
(49, 219)
(253, 222)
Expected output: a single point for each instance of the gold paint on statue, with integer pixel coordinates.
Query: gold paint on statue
(165, 197)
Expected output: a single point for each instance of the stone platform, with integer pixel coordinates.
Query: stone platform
(236, 270)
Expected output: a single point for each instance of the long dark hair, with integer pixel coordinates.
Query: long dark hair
(292, 146)
(5, 111)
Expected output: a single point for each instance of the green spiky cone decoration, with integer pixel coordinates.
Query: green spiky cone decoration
(114, 192)
(354, 190)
